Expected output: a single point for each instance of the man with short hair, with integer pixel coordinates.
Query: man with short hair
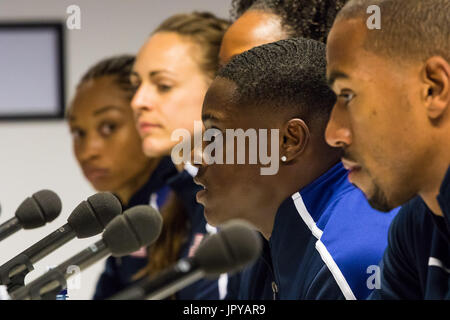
(392, 120)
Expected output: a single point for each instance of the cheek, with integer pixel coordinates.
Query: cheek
(184, 109)
(126, 146)
(76, 150)
(157, 146)
(234, 183)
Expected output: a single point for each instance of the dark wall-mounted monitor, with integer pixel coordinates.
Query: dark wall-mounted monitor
(31, 71)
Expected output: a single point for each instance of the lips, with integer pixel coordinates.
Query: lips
(95, 173)
(352, 167)
(200, 196)
(146, 127)
(199, 182)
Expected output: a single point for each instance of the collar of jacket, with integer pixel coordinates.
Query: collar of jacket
(316, 196)
(444, 202)
(156, 181)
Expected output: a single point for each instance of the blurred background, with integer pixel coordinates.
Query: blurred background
(37, 154)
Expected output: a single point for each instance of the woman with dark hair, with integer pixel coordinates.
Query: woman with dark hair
(258, 22)
(171, 75)
(107, 147)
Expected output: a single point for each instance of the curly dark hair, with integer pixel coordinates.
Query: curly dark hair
(310, 19)
(281, 75)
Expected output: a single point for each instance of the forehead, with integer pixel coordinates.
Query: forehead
(252, 29)
(166, 51)
(349, 61)
(220, 107)
(98, 93)
(345, 45)
(219, 98)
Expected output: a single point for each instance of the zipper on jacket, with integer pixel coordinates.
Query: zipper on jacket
(274, 290)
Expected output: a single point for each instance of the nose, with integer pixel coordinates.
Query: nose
(142, 99)
(197, 158)
(91, 148)
(338, 133)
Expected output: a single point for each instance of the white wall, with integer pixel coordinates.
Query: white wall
(37, 155)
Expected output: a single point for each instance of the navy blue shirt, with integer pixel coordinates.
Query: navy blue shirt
(325, 237)
(118, 272)
(416, 264)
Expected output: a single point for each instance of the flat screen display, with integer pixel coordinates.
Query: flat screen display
(31, 71)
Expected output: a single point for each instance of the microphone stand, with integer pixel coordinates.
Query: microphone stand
(48, 286)
(12, 273)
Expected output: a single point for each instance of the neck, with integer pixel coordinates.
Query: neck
(266, 218)
(291, 178)
(430, 192)
(127, 191)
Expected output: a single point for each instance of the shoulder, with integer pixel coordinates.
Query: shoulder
(352, 212)
(411, 224)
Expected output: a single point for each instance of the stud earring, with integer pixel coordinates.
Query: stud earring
(283, 158)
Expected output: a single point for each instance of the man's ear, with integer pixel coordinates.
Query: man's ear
(295, 136)
(437, 95)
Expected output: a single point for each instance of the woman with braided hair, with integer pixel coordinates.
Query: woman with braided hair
(171, 75)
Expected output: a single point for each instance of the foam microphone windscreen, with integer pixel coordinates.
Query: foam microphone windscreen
(91, 217)
(231, 249)
(42, 207)
(135, 228)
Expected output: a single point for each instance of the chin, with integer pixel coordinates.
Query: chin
(212, 217)
(153, 149)
(380, 200)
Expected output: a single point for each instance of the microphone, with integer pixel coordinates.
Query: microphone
(35, 211)
(228, 251)
(88, 219)
(137, 227)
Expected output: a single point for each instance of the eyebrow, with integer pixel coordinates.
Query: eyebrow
(210, 117)
(106, 109)
(152, 74)
(134, 73)
(156, 72)
(334, 75)
(72, 118)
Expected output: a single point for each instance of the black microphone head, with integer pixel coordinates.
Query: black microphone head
(91, 217)
(137, 227)
(43, 206)
(236, 245)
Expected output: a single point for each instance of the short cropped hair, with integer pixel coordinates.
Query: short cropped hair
(410, 29)
(284, 75)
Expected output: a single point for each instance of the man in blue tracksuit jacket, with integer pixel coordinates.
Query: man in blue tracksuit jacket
(393, 124)
(416, 264)
(324, 241)
(119, 272)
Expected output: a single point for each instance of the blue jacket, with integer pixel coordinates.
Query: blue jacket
(416, 264)
(118, 272)
(325, 237)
